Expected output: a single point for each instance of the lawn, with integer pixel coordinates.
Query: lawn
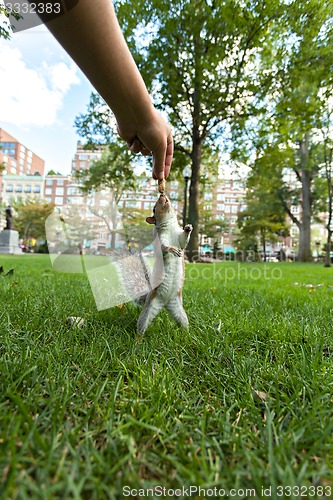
(241, 405)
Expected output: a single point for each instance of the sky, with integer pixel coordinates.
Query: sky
(41, 92)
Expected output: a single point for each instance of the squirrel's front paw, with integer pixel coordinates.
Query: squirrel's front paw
(188, 228)
(177, 252)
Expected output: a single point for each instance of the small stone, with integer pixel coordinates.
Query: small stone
(75, 321)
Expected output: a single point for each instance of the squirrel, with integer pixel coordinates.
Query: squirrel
(166, 281)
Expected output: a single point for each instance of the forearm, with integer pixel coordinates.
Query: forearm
(91, 35)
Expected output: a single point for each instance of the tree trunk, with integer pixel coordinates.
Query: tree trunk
(193, 213)
(328, 249)
(328, 173)
(196, 154)
(263, 244)
(304, 252)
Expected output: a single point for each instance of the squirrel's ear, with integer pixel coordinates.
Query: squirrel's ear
(150, 220)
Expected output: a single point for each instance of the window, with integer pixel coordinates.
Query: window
(9, 188)
(8, 148)
(234, 209)
(18, 188)
(27, 189)
(48, 200)
(220, 206)
(58, 201)
(208, 196)
(37, 189)
(135, 204)
(60, 182)
(227, 209)
(220, 197)
(294, 209)
(59, 191)
(49, 182)
(48, 191)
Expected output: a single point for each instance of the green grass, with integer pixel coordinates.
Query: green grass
(85, 412)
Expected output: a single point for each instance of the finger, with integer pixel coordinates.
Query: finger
(159, 161)
(135, 146)
(162, 160)
(145, 151)
(168, 156)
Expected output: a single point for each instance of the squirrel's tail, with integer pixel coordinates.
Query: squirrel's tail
(135, 275)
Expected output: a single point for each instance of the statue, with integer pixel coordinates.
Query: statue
(9, 218)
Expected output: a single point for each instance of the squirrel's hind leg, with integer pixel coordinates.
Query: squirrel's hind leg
(151, 308)
(177, 311)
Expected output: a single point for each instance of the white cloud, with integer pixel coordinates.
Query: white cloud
(30, 96)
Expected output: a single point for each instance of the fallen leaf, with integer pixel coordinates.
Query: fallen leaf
(259, 396)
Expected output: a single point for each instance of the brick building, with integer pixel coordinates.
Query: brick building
(56, 188)
(16, 158)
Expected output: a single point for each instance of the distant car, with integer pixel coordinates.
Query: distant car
(271, 258)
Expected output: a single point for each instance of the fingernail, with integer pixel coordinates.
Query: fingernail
(159, 175)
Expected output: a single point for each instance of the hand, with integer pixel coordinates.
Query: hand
(151, 137)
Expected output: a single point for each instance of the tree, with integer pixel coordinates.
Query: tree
(287, 134)
(5, 26)
(326, 144)
(211, 227)
(112, 172)
(137, 233)
(52, 172)
(202, 60)
(264, 217)
(30, 218)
